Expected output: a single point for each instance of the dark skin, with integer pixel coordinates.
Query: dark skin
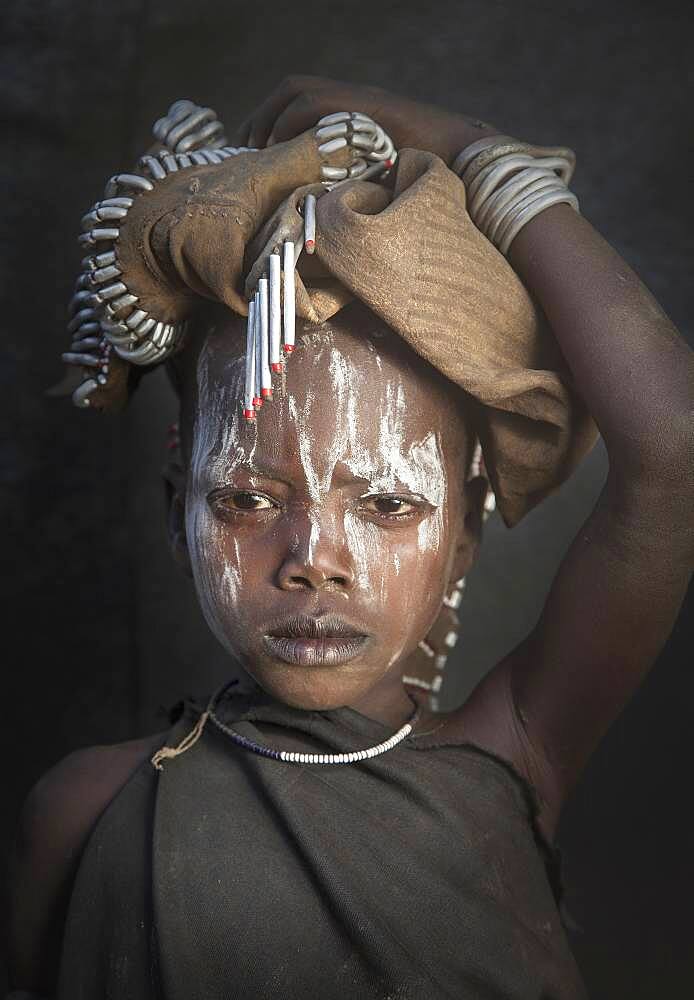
(615, 596)
(311, 512)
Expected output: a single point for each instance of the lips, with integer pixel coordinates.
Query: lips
(328, 640)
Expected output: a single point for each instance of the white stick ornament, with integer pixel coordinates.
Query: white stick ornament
(248, 410)
(275, 313)
(310, 223)
(257, 399)
(289, 297)
(265, 377)
(271, 334)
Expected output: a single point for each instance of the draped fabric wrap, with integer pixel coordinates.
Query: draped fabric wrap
(407, 249)
(416, 875)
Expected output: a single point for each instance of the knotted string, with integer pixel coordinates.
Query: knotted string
(167, 753)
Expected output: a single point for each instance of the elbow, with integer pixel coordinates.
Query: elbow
(651, 483)
(658, 456)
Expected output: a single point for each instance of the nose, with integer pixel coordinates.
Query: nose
(317, 557)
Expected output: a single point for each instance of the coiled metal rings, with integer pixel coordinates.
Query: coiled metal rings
(103, 315)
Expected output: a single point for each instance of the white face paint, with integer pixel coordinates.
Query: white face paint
(394, 466)
(217, 448)
(387, 465)
(418, 467)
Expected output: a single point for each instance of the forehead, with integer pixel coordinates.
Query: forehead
(348, 407)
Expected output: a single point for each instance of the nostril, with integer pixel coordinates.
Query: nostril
(306, 583)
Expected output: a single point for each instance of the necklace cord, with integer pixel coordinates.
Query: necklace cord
(168, 753)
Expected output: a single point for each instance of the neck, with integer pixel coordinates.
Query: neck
(389, 703)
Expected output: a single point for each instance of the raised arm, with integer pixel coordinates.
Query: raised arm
(619, 588)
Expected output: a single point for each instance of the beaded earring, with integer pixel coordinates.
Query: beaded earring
(431, 656)
(429, 660)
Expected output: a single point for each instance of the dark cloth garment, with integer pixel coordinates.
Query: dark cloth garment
(107, 952)
(415, 875)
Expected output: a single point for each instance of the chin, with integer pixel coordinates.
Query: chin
(313, 689)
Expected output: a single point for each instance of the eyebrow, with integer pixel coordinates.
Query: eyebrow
(341, 474)
(266, 471)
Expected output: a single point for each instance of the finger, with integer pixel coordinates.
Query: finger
(301, 114)
(311, 91)
(240, 136)
(309, 95)
(256, 128)
(261, 118)
(308, 108)
(247, 133)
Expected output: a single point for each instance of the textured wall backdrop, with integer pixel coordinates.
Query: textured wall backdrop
(99, 630)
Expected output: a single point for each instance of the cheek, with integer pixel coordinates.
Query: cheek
(403, 570)
(367, 552)
(423, 563)
(430, 534)
(218, 567)
(383, 560)
(422, 566)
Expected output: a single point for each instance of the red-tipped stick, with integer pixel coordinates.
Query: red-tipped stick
(289, 315)
(249, 412)
(275, 312)
(310, 223)
(257, 398)
(265, 378)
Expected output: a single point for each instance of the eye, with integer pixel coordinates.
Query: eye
(392, 508)
(250, 501)
(241, 502)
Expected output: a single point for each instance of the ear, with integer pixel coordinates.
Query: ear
(175, 485)
(470, 531)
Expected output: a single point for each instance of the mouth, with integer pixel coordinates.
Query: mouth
(328, 640)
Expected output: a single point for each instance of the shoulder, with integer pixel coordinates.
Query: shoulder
(71, 795)
(56, 820)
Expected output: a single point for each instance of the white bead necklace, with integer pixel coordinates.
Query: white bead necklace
(288, 757)
(317, 758)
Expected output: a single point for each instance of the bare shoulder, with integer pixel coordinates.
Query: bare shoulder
(73, 793)
(56, 820)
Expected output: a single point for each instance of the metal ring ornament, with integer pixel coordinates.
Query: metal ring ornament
(103, 315)
(366, 138)
(186, 126)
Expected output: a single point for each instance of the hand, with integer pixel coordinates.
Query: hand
(300, 101)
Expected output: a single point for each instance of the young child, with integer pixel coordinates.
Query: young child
(328, 534)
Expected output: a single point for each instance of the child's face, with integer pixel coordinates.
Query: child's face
(339, 512)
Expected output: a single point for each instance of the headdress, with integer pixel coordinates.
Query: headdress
(199, 219)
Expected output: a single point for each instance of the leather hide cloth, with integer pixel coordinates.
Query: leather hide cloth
(409, 251)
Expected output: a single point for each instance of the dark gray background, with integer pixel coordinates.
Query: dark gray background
(100, 632)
